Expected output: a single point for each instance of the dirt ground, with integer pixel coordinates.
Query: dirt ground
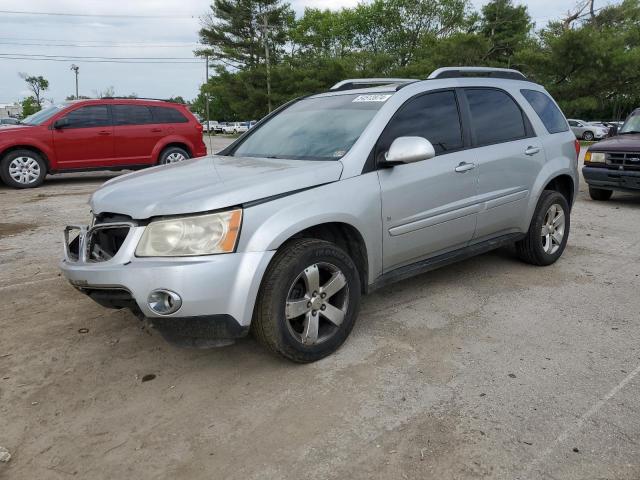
(485, 369)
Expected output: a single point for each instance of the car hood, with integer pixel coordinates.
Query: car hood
(620, 143)
(12, 128)
(208, 183)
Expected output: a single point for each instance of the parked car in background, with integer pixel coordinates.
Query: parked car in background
(585, 131)
(219, 127)
(9, 121)
(614, 164)
(252, 123)
(333, 196)
(209, 126)
(102, 134)
(236, 128)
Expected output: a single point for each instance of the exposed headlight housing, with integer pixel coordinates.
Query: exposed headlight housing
(595, 157)
(208, 234)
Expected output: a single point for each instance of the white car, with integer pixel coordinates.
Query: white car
(209, 126)
(236, 128)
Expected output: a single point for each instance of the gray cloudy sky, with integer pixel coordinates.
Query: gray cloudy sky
(172, 34)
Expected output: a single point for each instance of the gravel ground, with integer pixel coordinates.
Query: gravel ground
(485, 369)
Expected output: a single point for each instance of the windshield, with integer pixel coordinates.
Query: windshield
(322, 128)
(632, 124)
(43, 115)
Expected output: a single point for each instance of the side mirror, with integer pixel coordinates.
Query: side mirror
(61, 123)
(409, 150)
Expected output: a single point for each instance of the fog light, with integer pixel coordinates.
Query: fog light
(164, 302)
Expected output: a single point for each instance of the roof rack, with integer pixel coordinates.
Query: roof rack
(352, 83)
(138, 98)
(456, 72)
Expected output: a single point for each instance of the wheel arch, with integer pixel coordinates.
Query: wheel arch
(345, 236)
(172, 142)
(564, 185)
(37, 150)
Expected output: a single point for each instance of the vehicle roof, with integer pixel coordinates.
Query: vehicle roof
(150, 101)
(435, 84)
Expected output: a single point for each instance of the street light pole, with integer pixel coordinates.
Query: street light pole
(206, 97)
(265, 37)
(76, 68)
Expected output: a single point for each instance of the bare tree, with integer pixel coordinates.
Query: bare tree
(37, 85)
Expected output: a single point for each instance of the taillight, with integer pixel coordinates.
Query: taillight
(199, 127)
(577, 145)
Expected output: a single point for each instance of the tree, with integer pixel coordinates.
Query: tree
(30, 106)
(234, 31)
(507, 28)
(37, 85)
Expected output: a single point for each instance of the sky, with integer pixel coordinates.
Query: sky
(171, 33)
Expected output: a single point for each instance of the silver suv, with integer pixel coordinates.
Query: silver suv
(328, 198)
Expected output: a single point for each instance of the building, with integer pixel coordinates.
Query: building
(10, 110)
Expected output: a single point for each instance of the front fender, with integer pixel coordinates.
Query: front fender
(354, 201)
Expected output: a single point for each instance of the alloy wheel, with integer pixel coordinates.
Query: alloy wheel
(317, 303)
(553, 229)
(24, 170)
(175, 157)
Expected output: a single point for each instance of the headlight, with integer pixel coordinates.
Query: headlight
(595, 157)
(187, 236)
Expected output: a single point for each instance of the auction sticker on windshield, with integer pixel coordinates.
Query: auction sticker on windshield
(371, 98)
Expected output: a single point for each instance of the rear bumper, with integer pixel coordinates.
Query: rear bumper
(626, 181)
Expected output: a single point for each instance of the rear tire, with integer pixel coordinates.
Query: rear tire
(548, 232)
(293, 322)
(173, 155)
(23, 169)
(600, 194)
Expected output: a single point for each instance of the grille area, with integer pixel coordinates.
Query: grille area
(628, 161)
(104, 242)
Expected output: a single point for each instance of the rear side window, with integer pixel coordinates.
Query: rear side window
(131, 115)
(495, 116)
(433, 116)
(549, 113)
(89, 116)
(167, 115)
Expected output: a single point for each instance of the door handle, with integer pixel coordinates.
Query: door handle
(104, 132)
(156, 130)
(531, 150)
(465, 167)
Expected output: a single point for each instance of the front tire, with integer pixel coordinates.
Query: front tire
(600, 194)
(23, 169)
(588, 136)
(308, 301)
(548, 232)
(173, 155)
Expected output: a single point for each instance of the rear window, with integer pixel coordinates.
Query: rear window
(495, 116)
(131, 115)
(549, 113)
(167, 115)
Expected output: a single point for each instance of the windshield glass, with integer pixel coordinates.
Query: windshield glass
(322, 128)
(632, 124)
(43, 115)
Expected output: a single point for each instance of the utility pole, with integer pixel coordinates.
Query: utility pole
(75, 69)
(265, 38)
(206, 97)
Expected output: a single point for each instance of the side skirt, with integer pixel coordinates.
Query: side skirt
(423, 266)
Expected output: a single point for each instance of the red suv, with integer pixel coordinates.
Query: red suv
(104, 134)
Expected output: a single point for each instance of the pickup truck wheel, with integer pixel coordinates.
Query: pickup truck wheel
(173, 155)
(600, 194)
(549, 230)
(308, 301)
(23, 169)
